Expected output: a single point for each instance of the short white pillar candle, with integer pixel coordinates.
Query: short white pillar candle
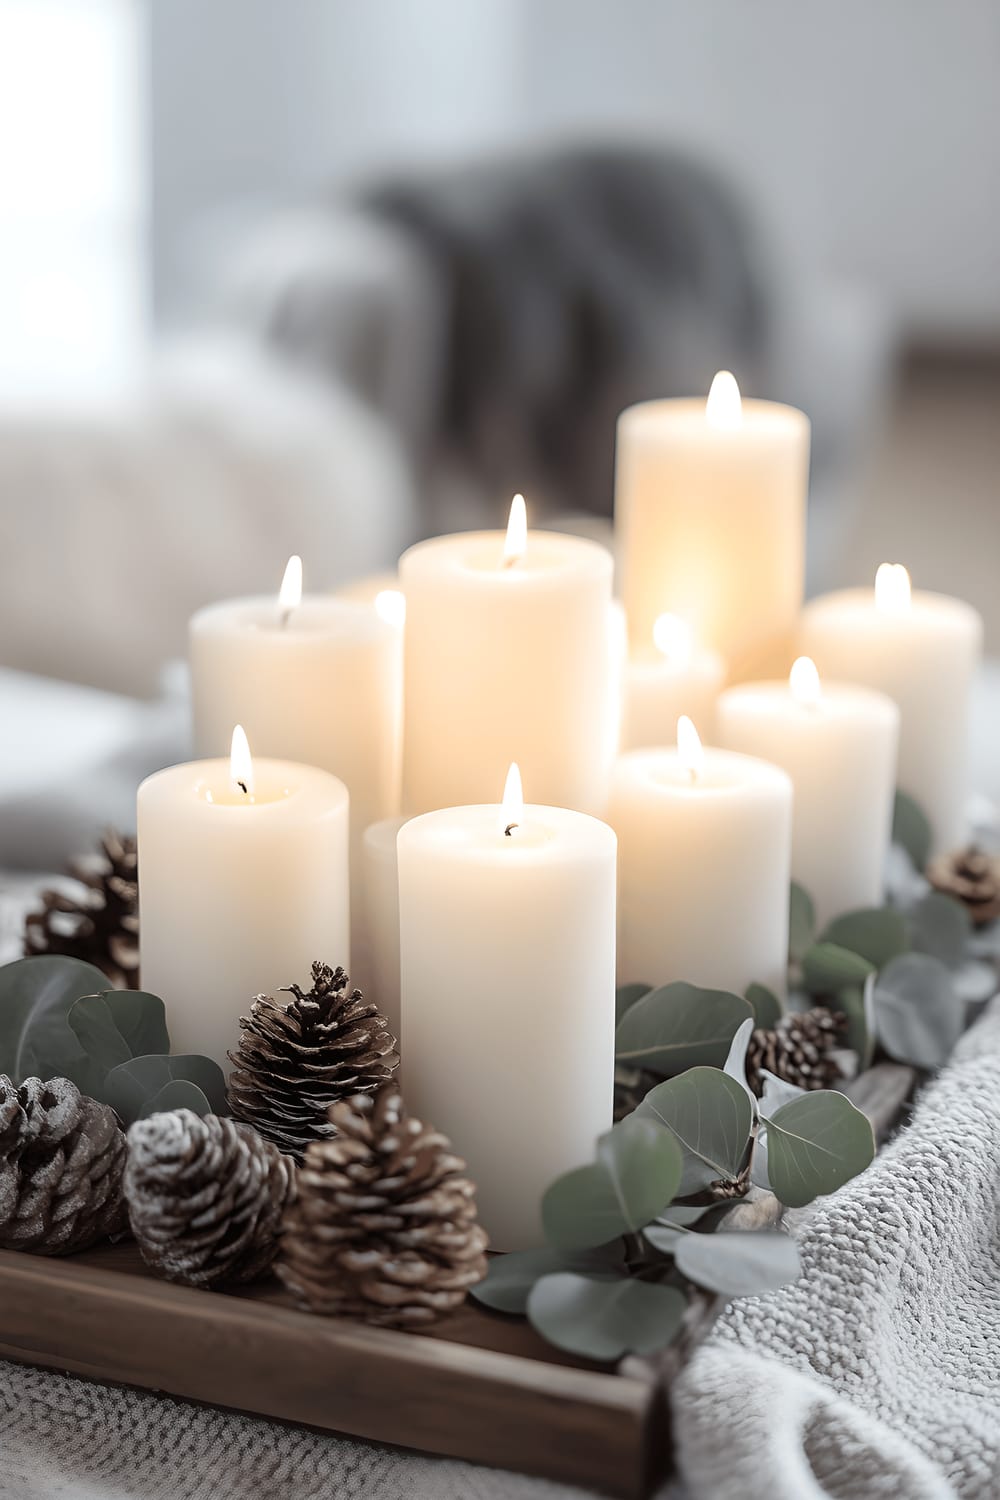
(670, 678)
(922, 650)
(838, 744)
(704, 853)
(376, 964)
(243, 873)
(507, 962)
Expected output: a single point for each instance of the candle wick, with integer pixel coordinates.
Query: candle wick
(510, 829)
(509, 562)
(243, 787)
(286, 615)
(693, 774)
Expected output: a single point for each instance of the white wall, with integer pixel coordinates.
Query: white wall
(868, 130)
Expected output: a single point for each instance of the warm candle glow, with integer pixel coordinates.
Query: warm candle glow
(290, 593)
(516, 541)
(689, 747)
(724, 408)
(803, 680)
(892, 589)
(673, 637)
(390, 606)
(241, 762)
(512, 805)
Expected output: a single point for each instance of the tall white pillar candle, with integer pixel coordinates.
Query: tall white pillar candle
(508, 657)
(243, 872)
(838, 744)
(704, 853)
(316, 680)
(710, 504)
(376, 966)
(507, 959)
(672, 678)
(922, 650)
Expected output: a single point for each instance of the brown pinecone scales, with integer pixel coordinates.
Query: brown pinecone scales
(799, 1050)
(973, 878)
(384, 1225)
(205, 1197)
(99, 921)
(62, 1158)
(295, 1060)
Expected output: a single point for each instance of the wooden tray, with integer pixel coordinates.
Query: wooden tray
(482, 1386)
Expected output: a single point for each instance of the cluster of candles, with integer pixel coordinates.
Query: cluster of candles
(365, 828)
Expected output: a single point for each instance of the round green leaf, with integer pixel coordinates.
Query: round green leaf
(918, 1013)
(131, 1087)
(179, 1093)
(710, 1115)
(940, 926)
(510, 1278)
(738, 1264)
(857, 1004)
(636, 1174)
(36, 1040)
(767, 1008)
(116, 1025)
(827, 968)
(877, 933)
(801, 921)
(814, 1145)
(605, 1319)
(625, 997)
(911, 829)
(680, 1026)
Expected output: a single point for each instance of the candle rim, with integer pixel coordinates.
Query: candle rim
(759, 774)
(578, 555)
(838, 694)
(683, 416)
(300, 785)
(256, 616)
(860, 608)
(572, 835)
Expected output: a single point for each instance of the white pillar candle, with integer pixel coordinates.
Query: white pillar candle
(838, 744)
(376, 965)
(507, 958)
(316, 680)
(704, 856)
(509, 656)
(922, 650)
(243, 872)
(670, 679)
(710, 503)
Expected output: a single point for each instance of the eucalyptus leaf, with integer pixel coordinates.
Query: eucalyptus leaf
(674, 1222)
(857, 1004)
(510, 1278)
(625, 997)
(827, 968)
(911, 829)
(605, 1319)
(636, 1174)
(132, 1086)
(680, 1026)
(36, 1040)
(801, 922)
(767, 1008)
(918, 1012)
(710, 1115)
(777, 1091)
(116, 1025)
(814, 1145)
(736, 1063)
(179, 1093)
(740, 1263)
(940, 926)
(877, 933)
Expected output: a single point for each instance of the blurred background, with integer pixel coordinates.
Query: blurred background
(328, 277)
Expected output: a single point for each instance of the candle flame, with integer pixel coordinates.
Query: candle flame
(290, 593)
(390, 606)
(674, 638)
(512, 805)
(516, 541)
(803, 680)
(892, 589)
(241, 762)
(689, 747)
(724, 408)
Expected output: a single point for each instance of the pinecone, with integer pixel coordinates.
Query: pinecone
(294, 1061)
(799, 1050)
(205, 1197)
(384, 1227)
(62, 1157)
(99, 922)
(973, 878)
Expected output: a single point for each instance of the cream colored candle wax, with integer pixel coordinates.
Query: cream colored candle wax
(671, 678)
(922, 650)
(710, 504)
(243, 872)
(376, 966)
(838, 744)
